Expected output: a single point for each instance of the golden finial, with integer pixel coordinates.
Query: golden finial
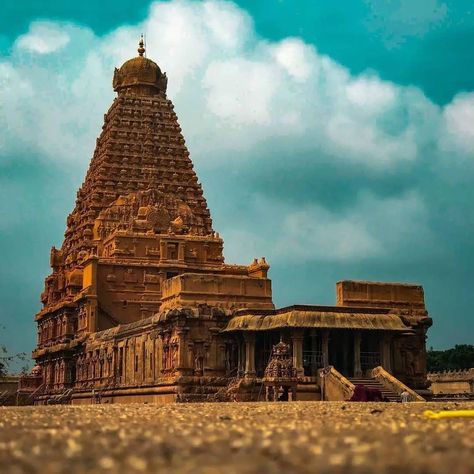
(141, 47)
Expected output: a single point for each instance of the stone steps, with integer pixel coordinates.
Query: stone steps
(372, 383)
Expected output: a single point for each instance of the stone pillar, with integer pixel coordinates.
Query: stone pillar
(181, 253)
(212, 359)
(62, 372)
(182, 359)
(385, 353)
(249, 339)
(191, 360)
(314, 364)
(325, 347)
(153, 359)
(240, 357)
(357, 366)
(68, 373)
(221, 358)
(56, 374)
(345, 353)
(92, 312)
(126, 361)
(163, 250)
(114, 370)
(297, 339)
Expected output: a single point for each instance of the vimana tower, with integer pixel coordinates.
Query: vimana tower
(140, 305)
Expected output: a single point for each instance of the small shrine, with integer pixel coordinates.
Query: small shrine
(280, 377)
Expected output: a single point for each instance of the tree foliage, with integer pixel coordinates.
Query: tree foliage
(6, 358)
(461, 356)
(3, 363)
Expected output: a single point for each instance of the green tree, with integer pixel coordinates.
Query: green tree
(460, 356)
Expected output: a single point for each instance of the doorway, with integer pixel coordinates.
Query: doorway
(341, 351)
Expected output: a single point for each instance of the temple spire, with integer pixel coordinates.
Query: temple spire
(141, 46)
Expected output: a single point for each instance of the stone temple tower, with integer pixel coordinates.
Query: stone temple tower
(140, 149)
(139, 220)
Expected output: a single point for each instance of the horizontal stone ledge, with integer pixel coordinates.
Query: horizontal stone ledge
(168, 390)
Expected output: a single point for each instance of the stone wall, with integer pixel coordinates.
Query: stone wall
(452, 382)
(380, 295)
(8, 390)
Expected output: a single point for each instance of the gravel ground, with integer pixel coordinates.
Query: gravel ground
(306, 437)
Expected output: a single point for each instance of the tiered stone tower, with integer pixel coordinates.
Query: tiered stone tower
(140, 219)
(140, 149)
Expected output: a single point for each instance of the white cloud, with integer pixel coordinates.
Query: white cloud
(43, 38)
(241, 91)
(459, 124)
(294, 56)
(238, 97)
(372, 228)
(315, 233)
(371, 94)
(228, 25)
(223, 78)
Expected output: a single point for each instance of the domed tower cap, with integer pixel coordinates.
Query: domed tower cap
(140, 76)
(141, 47)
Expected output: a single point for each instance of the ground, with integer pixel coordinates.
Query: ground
(306, 437)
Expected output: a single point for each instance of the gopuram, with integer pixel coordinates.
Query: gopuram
(141, 306)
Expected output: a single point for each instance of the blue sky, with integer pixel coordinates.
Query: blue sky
(335, 138)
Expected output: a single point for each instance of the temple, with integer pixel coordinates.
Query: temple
(141, 306)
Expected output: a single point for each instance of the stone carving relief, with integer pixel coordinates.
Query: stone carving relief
(150, 211)
(151, 278)
(130, 276)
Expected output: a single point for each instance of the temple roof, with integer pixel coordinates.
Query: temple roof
(140, 71)
(317, 319)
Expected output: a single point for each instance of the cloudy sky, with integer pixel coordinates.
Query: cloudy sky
(335, 138)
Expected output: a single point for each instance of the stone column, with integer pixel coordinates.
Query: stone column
(182, 362)
(126, 361)
(345, 353)
(114, 370)
(212, 360)
(325, 347)
(190, 356)
(240, 357)
(297, 339)
(181, 251)
(385, 353)
(92, 311)
(357, 366)
(221, 359)
(163, 250)
(153, 359)
(249, 339)
(57, 373)
(68, 373)
(314, 365)
(62, 372)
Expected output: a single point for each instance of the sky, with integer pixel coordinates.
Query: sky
(335, 138)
